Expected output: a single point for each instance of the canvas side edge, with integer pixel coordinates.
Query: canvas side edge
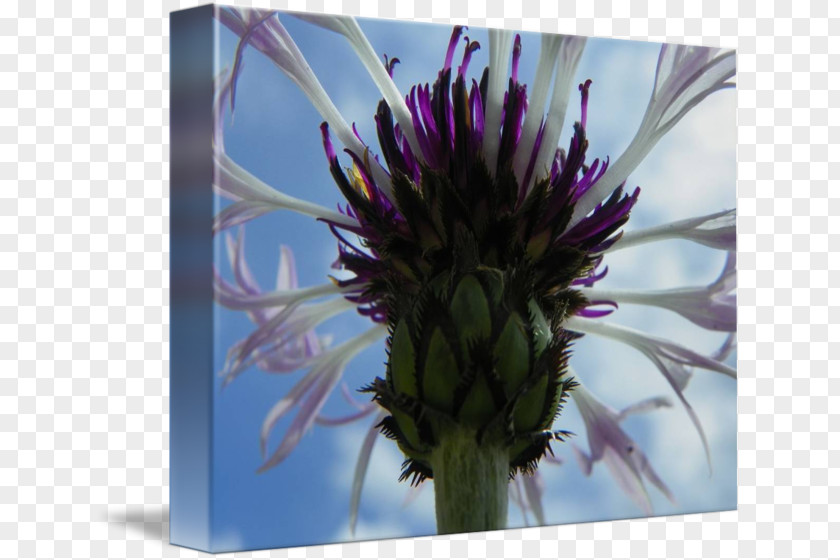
(191, 272)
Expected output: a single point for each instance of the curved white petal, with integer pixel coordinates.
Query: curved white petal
(713, 307)
(534, 487)
(716, 230)
(274, 41)
(293, 321)
(267, 300)
(361, 469)
(325, 373)
(608, 442)
(670, 358)
(684, 77)
(659, 346)
(254, 198)
(349, 28)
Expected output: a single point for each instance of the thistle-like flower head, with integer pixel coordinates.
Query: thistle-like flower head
(472, 268)
(474, 242)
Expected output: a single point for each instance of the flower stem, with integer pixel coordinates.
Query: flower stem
(471, 483)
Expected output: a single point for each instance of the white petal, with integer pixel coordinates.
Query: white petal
(269, 300)
(497, 82)
(536, 102)
(278, 45)
(570, 52)
(361, 469)
(712, 307)
(327, 369)
(608, 442)
(670, 358)
(231, 180)
(516, 495)
(286, 270)
(684, 77)
(348, 27)
(659, 346)
(646, 405)
(716, 230)
(534, 489)
(291, 322)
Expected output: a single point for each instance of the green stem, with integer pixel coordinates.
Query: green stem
(471, 483)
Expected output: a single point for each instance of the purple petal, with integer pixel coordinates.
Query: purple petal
(453, 42)
(303, 421)
(677, 377)
(628, 478)
(608, 442)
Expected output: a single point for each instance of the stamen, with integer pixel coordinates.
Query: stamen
(517, 51)
(453, 42)
(389, 64)
(328, 147)
(584, 100)
(468, 50)
(590, 313)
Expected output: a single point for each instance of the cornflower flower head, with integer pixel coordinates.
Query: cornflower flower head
(475, 245)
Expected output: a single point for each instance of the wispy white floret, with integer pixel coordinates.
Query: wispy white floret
(362, 463)
(670, 358)
(252, 196)
(716, 230)
(608, 442)
(348, 27)
(325, 372)
(497, 82)
(546, 64)
(527, 491)
(571, 49)
(712, 307)
(362, 410)
(685, 75)
(292, 321)
(294, 351)
(247, 296)
(265, 32)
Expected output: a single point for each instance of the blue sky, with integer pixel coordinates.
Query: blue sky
(274, 134)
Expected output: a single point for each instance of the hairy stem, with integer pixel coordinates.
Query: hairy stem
(471, 483)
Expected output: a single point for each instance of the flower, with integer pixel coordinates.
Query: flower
(476, 245)
(715, 230)
(712, 307)
(608, 442)
(285, 342)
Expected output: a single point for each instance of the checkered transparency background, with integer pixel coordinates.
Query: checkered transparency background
(84, 281)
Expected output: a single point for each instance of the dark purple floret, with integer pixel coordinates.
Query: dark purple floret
(407, 229)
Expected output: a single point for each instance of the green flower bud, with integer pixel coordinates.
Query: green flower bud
(440, 372)
(470, 312)
(513, 354)
(473, 351)
(402, 375)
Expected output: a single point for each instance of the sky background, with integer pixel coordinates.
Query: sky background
(274, 134)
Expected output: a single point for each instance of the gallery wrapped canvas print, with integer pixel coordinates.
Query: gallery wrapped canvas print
(432, 279)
